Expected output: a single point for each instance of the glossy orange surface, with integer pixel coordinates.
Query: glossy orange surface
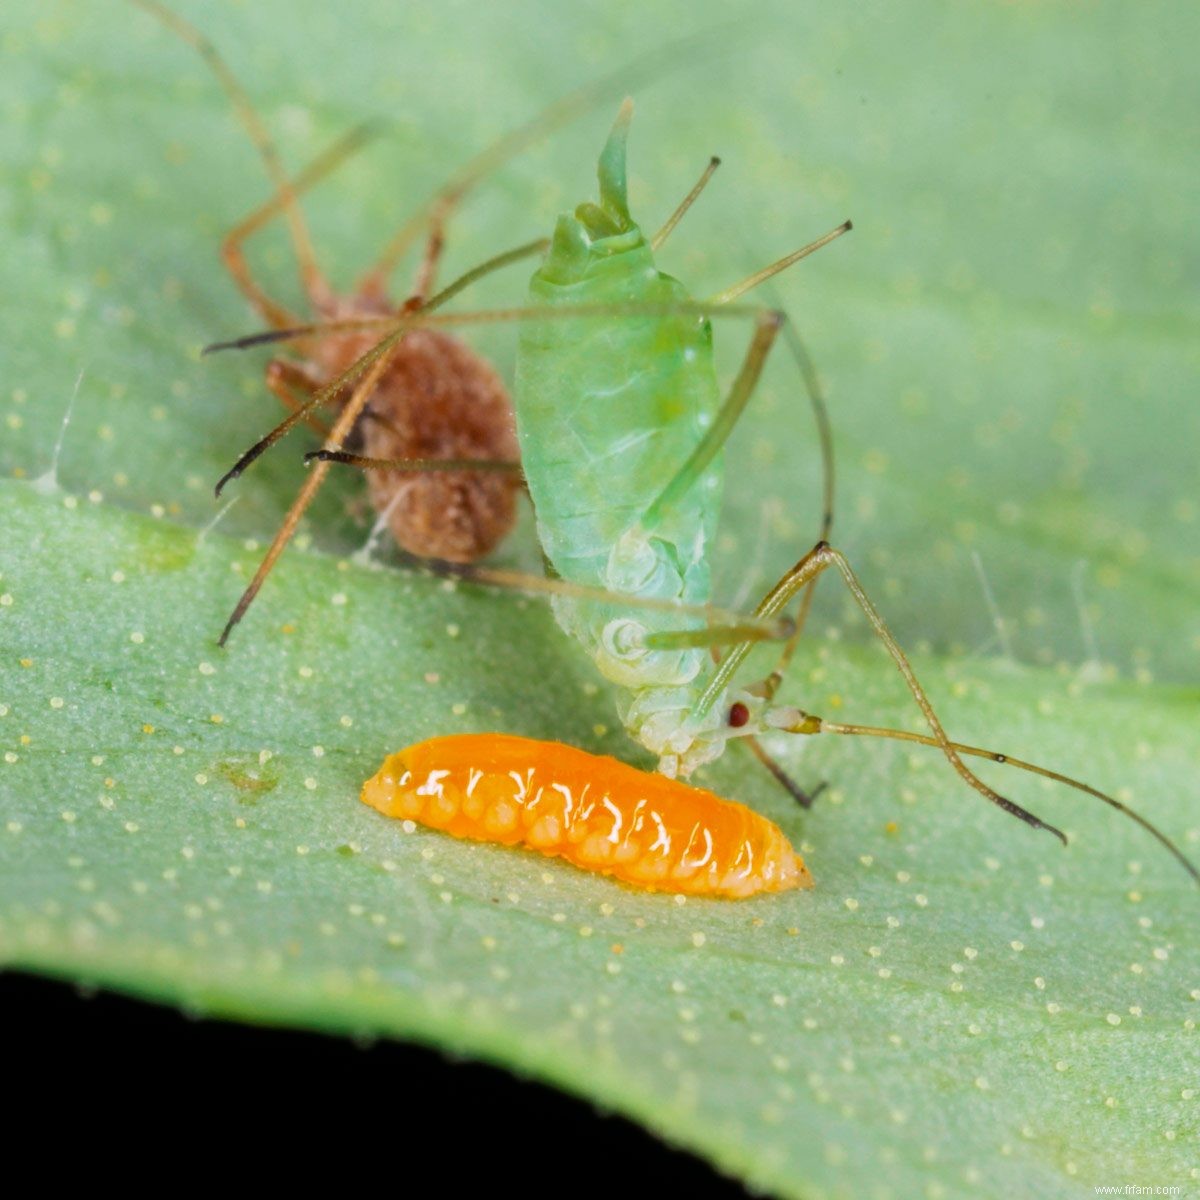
(596, 812)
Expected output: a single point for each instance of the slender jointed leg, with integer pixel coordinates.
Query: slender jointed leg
(311, 277)
(820, 410)
(669, 227)
(996, 756)
(285, 378)
(819, 559)
(765, 330)
(316, 288)
(338, 434)
(803, 798)
(395, 330)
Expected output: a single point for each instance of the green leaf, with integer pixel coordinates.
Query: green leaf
(960, 1004)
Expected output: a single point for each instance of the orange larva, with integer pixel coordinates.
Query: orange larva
(595, 812)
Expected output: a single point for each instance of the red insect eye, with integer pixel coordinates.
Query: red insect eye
(739, 714)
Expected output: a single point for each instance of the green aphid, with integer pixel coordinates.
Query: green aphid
(621, 424)
(599, 452)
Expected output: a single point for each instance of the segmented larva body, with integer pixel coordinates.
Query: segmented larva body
(598, 813)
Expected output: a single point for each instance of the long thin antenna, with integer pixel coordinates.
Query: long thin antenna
(752, 281)
(902, 735)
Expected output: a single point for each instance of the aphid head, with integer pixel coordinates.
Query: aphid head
(699, 740)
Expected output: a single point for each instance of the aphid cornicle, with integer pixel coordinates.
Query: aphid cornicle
(593, 811)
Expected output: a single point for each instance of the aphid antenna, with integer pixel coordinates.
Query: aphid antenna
(425, 317)
(797, 721)
(752, 281)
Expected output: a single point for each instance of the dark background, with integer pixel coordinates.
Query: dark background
(117, 1085)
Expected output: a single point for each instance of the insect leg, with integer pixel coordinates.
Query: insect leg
(282, 378)
(341, 429)
(769, 323)
(816, 396)
(402, 465)
(231, 245)
(438, 208)
(311, 277)
(395, 329)
(803, 798)
(665, 232)
(766, 328)
(820, 558)
(728, 626)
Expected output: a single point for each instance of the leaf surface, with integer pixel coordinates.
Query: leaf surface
(1008, 339)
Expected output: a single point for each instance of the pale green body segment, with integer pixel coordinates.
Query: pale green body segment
(609, 408)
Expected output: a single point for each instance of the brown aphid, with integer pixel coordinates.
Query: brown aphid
(438, 401)
(424, 410)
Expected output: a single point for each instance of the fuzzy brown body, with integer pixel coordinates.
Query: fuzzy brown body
(437, 400)
(432, 398)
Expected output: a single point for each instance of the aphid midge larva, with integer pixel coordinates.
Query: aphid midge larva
(596, 812)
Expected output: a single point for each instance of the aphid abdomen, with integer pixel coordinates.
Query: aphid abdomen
(609, 409)
(438, 400)
(596, 812)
